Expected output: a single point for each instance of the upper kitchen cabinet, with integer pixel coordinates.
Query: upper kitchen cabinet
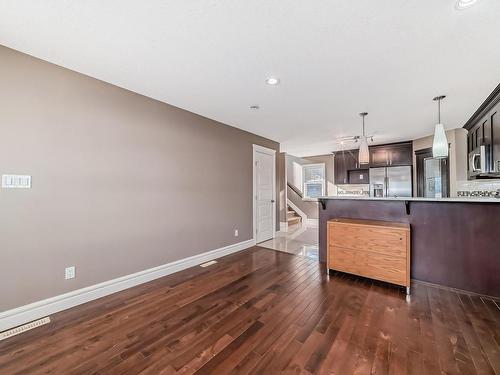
(345, 161)
(483, 139)
(391, 155)
(340, 171)
(342, 165)
(401, 154)
(351, 159)
(379, 156)
(349, 171)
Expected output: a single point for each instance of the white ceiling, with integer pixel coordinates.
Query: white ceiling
(334, 58)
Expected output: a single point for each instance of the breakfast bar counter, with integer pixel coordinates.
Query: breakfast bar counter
(455, 242)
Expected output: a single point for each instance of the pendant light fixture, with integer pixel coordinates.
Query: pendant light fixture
(440, 143)
(364, 153)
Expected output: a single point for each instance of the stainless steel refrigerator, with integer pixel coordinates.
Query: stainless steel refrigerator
(390, 182)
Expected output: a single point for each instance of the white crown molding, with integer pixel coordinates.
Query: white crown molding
(36, 310)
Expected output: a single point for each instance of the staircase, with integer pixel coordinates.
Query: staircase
(292, 217)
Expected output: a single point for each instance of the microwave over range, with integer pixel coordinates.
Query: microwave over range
(483, 139)
(482, 164)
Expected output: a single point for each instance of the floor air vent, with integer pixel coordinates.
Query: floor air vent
(26, 327)
(208, 263)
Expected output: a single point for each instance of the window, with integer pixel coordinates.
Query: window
(314, 180)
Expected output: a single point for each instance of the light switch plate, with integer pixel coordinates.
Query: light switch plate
(15, 181)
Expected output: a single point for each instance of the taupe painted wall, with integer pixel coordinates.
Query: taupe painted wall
(121, 182)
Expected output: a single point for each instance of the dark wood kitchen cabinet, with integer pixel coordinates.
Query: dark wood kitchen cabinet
(392, 155)
(349, 171)
(484, 130)
(483, 133)
(340, 166)
(401, 154)
(379, 156)
(340, 172)
(351, 159)
(344, 162)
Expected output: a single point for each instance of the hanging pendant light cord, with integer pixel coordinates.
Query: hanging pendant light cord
(439, 111)
(363, 114)
(438, 99)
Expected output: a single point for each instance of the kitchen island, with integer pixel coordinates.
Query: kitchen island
(455, 242)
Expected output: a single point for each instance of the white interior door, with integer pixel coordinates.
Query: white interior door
(264, 197)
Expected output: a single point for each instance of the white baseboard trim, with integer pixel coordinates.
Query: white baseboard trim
(36, 310)
(313, 223)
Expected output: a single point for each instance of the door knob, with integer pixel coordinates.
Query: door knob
(272, 200)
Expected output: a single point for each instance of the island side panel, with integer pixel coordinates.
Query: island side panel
(453, 244)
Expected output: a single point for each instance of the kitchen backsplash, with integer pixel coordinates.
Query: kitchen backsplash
(477, 187)
(353, 190)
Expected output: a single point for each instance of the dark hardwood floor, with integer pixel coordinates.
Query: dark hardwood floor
(267, 312)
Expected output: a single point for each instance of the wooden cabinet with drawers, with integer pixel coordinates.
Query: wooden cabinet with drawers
(376, 249)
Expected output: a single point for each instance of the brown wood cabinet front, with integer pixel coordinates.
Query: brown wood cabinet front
(348, 170)
(374, 249)
(344, 162)
(391, 155)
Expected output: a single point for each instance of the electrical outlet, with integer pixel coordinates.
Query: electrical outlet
(236, 234)
(14, 181)
(69, 273)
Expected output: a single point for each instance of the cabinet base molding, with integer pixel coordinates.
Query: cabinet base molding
(456, 290)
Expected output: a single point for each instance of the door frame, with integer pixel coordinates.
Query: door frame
(269, 151)
(420, 156)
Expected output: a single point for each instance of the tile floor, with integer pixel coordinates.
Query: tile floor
(298, 239)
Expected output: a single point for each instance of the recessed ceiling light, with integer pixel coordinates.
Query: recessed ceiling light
(254, 107)
(465, 4)
(273, 81)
